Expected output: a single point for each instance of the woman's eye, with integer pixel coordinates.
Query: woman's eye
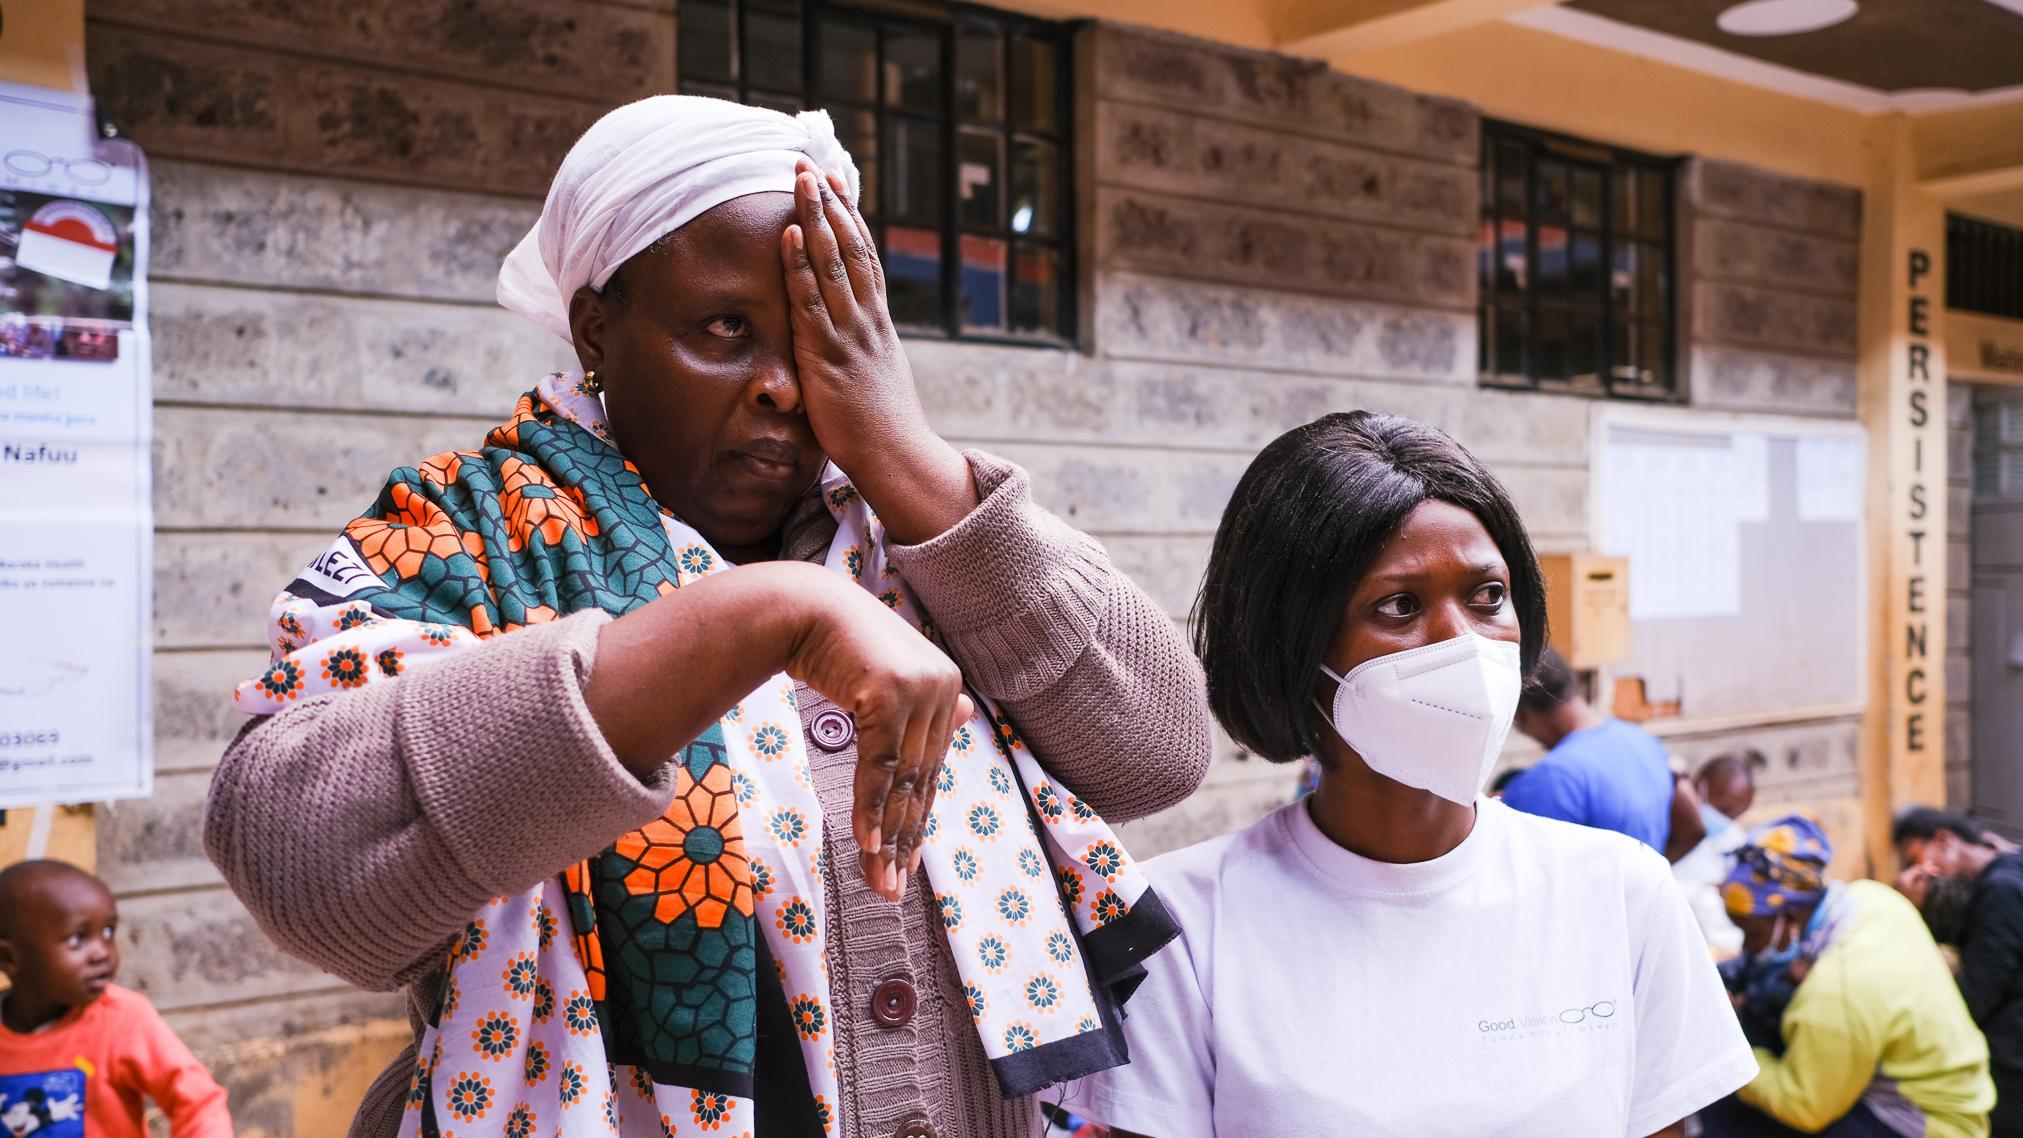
(729, 327)
(1402, 605)
(107, 934)
(1491, 595)
(73, 940)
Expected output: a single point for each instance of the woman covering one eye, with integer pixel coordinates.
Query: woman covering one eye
(658, 845)
(1397, 954)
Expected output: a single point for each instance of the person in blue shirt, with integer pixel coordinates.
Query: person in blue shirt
(1598, 771)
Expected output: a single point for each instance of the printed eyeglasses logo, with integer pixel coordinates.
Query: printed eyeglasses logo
(1571, 1017)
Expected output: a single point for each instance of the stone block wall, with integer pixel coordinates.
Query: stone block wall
(1265, 240)
(1766, 278)
(334, 186)
(1766, 273)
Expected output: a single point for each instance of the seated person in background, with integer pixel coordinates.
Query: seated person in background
(1939, 843)
(77, 1052)
(1978, 908)
(1597, 771)
(1502, 782)
(1859, 1030)
(1726, 788)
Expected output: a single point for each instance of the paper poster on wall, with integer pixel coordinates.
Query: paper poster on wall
(1751, 455)
(75, 519)
(1671, 510)
(1830, 480)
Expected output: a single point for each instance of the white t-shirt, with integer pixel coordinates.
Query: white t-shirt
(1539, 979)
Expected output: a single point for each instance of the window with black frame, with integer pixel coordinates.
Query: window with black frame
(958, 117)
(1575, 259)
(1984, 267)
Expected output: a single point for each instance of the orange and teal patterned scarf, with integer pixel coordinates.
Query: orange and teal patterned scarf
(679, 980)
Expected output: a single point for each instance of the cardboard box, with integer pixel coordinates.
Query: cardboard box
(1587, 603)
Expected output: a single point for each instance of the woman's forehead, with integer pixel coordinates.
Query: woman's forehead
(729, 252)
(741, 225)
(1438, 532)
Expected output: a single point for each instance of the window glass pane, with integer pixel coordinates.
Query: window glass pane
(1586, 186)
(915, 171)
(772, 43)
(785, 104)
(979, 72)
(1552, 189)
(1623, 279)
(1651, 352)
(1510, 179)
(704, 52)
(1485, 321)
(710, 90)
(1035, 186)
(1550, 348)
(1485, 258)
(1623, 200)
(913, 275)
(1487, 188)
(983, 283)
(913, 70)
(1552, 260)
(858, 132)
(849, 61)
(1036, 291)
(1623, 347)
(1653, 204)
(1510, 340)
(1583, 348)
(979, 179)
(1035, 82)
(1513, 264)
(1586, 277)
(1653, 283)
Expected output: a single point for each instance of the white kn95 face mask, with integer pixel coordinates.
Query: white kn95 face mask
(1433, 717)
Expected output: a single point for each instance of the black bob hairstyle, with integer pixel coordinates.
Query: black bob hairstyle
(1305, 523)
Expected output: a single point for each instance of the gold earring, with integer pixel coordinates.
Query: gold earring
(592, 384)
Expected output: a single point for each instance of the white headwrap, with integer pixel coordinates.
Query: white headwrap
(644, 171)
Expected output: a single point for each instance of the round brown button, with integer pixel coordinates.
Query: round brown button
(833, 730)
(894, 1002)
(918, 1128)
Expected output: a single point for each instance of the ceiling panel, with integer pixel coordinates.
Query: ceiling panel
(1888, 46)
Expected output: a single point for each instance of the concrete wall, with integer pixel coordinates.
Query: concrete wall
(1766, 278)
(334, 188)
(1264, 241)
(1959, 596)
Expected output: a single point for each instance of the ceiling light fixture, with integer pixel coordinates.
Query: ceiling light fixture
(1784, 17)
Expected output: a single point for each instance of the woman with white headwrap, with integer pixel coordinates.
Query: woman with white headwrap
(714, 747)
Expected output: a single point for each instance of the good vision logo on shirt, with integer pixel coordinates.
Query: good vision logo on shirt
(1580, 1018)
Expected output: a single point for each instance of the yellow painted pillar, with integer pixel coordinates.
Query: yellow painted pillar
(1903, 405)
(66, 833)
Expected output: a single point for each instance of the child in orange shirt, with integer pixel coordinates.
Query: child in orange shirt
(76, 1051)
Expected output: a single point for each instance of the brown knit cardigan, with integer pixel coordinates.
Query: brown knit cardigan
(362, 830)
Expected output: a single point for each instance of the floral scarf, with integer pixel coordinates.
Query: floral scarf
(680, 979)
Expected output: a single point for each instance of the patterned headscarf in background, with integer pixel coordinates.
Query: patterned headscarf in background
(1782, 867)
(1782, 870)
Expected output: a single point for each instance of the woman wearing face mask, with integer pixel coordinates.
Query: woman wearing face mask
(1397, 954)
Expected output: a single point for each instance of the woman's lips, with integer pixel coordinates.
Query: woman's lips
(768, 459)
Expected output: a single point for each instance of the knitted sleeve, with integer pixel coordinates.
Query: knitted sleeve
(1096, 677)
(363, 829)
